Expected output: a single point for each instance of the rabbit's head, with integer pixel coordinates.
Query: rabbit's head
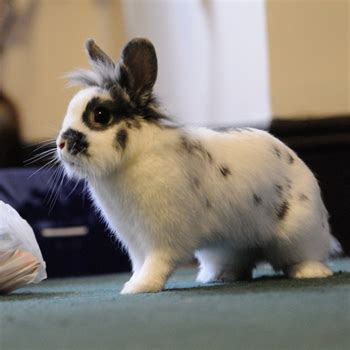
(116, 98)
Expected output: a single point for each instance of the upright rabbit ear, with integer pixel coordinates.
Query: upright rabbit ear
(138, 69)
(96, 55)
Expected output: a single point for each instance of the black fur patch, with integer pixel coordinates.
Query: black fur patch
(210, 158)
(190, 146)
(118, 109)
(76, 141)
(207, 203)
(195, 148)
(133, 123)
(277, 152)
(121, 109)
(282, 210)
(303, 197)
(279, 190)
(257, 199)
(290, 159)
(122, 138)
(151, 114)
(224, 170)
(196, 182)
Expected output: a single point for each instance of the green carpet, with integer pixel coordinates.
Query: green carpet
(266, 313)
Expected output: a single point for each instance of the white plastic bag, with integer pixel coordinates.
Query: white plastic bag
(21, 262)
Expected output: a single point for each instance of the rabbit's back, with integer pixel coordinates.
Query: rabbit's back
(255, 185)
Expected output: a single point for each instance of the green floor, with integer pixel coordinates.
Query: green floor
(267, 313)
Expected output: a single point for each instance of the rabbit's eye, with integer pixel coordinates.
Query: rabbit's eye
(102, 116)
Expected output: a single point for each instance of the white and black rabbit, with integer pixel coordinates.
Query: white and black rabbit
(231, 198)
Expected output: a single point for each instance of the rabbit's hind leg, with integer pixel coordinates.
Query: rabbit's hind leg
(308, 269)
(303, 243)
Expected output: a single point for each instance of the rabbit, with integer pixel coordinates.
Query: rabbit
(231, 198)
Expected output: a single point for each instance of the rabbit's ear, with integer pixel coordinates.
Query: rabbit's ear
(138, 69)
(96, 55)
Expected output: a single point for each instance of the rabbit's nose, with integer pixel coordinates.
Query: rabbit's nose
(75, 141)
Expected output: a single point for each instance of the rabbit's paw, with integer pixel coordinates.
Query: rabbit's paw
(206, 275)
(309, 269)
(137, 287)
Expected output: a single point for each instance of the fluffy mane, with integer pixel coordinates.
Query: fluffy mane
(101, 75)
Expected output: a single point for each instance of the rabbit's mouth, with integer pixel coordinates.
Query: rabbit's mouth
(73, 165)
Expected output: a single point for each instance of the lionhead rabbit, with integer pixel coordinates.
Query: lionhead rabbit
(231, 198)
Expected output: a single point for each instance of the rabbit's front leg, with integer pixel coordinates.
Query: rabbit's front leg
(137, 260)
(152, 276)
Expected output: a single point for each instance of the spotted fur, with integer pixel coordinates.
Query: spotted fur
(224, 170)
(122, 138)
(196, 182)
(207, 203)
(257, 199)
(168, 192)
(277, 152)
(282, 210)
(303, 197)
(290, 159)
(195, 148)
(279, 190)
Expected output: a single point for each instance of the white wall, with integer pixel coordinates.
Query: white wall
(213, 64)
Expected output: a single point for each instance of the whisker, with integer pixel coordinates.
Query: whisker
(51, 149)
(40, 156)
(74, 188)
(57, 179)
(38, 148)
(41, 144)
(60, 185)
(51, 180)
(83, 193)
(49, 165)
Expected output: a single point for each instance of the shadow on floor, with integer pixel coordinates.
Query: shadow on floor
(18, 296)
(263, 284)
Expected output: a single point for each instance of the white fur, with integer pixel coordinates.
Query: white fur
(166, 204)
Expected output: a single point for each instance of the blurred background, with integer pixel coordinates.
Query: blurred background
(231, 62)
(280, 65)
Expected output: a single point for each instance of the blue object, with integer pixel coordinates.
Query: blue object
(73, 239)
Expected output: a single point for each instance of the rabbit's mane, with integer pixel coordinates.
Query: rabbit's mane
(102, 75)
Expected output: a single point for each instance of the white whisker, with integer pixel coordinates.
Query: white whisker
(56, 186)
(74, 188)
(48, 165)
(40, 156)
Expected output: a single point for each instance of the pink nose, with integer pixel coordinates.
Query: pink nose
(61, 145)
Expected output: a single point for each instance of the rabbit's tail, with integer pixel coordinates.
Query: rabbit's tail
(336, 248)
